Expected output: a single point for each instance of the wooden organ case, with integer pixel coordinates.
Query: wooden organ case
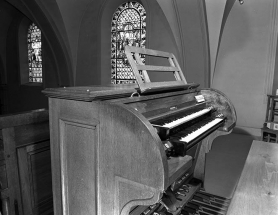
(114, 151)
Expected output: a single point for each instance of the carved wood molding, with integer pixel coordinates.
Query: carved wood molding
(205, 147)
(144, 195)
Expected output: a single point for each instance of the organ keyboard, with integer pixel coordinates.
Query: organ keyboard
(188, 137)
(118, 153)
(177, 121)
(168, 125)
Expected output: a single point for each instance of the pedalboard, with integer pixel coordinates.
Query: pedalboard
(189, 199)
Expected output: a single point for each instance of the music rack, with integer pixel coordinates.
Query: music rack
(146, 86)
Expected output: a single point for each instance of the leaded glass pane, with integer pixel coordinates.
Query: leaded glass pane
(128, 28)
(34, 53)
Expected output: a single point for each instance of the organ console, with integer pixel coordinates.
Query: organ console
(124, 149)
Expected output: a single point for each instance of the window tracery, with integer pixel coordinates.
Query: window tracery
(34, 54)
(128, 27)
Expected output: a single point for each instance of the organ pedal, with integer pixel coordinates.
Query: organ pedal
(188, 199)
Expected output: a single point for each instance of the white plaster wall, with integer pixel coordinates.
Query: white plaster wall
(72, 13)
(168, 8)
(246, 60)
(215, 10)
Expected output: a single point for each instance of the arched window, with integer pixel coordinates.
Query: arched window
(128, 28)
(34, 54)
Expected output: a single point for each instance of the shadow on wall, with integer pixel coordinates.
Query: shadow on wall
(244, 132)
(237, 33)
(2, 71)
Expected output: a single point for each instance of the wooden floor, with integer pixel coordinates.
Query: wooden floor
(257, 189)
(225, 162)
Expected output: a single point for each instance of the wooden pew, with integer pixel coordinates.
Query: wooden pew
(25, 164)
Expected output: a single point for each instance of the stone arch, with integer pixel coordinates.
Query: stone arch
(52, 37)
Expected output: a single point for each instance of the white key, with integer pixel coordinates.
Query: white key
(201, 130)
(186, 118)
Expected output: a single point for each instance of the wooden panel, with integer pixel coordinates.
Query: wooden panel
(97, 93)
(221, 102)
(107, 158)
(26, 163)
(204, 147)
(78, 159)
(24, 118)
(156, 104)
(31, 133)
(157, 68)
(100, 163)
(3, 181)
(61, 112)
(35, 178)
(178, 166)
(151, 52)
(257, 190)
(13, 191)
(128, 146)
(3, 175)
(92, 93)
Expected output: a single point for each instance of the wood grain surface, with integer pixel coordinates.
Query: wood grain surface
(25, 167)
(107, 157)
(257, 190)
(147, 85)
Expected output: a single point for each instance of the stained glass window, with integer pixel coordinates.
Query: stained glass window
(34, 53)
(128, 28)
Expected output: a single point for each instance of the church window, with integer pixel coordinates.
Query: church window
(34, 54)
(128, 28)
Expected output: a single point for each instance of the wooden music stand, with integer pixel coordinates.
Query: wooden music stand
(148, 86)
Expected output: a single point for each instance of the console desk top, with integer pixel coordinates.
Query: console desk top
(257, 189)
